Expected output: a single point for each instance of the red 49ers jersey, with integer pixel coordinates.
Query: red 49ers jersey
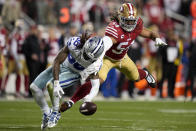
(124, 39)
(19, 37)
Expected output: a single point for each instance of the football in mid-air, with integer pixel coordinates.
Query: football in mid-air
(88, 108)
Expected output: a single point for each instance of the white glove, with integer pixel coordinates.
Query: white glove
(159, 42)
(58, 91)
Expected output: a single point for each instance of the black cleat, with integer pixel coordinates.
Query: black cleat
(65, 106)
(150, 79)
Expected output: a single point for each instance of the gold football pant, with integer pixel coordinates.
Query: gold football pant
(126, 66)
(12, 67)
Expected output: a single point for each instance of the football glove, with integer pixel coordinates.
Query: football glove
(65, 106)
(58, 91)
(159, 42)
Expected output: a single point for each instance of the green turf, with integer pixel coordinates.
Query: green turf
(110, 116)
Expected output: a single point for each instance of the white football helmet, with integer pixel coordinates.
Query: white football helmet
(92, 49)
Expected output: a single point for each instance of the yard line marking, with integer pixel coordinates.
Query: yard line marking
(6, 126)
(177, 111)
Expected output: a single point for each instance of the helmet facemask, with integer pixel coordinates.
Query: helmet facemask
(128, 24)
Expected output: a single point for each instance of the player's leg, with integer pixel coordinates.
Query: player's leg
(2, 71)
(10, 69)
(133, 73)
(129, 69)
(18, 84)
(106, 67)
(25, 73)
(37, 90)
(85, 89)
(67, 78)
(149, 78)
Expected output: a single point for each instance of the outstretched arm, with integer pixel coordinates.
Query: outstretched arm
(146, 33)
(62, 55)
(88, 89)
(95, 83)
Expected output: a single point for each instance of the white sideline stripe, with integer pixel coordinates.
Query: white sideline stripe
(177, 111)
(18, 126)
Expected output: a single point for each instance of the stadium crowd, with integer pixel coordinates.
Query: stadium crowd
(32, 32)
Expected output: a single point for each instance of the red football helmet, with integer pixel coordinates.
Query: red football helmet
(127, 15)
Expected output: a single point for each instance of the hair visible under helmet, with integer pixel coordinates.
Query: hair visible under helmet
(92, 49)
(127, 16)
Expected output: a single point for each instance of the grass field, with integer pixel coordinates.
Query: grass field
(110, 116)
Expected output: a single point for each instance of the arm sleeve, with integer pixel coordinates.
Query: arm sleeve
(107, 45)
(94, 90)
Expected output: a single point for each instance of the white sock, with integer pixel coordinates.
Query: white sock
(39, 98)
(56, 101)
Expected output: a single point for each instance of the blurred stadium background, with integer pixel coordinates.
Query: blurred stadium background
(52, 22)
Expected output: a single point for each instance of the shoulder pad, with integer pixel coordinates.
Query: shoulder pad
(73, 43)
(112, 29)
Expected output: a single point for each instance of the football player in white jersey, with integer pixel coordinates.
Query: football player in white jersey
(78, 60)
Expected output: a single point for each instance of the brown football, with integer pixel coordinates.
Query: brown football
(88, 108)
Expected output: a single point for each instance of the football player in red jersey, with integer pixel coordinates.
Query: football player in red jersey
(123, 30)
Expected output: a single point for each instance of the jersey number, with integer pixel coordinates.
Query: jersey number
(75, 64)
(120, 48)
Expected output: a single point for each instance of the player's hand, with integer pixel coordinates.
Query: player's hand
(58, 91)
(159, 42)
